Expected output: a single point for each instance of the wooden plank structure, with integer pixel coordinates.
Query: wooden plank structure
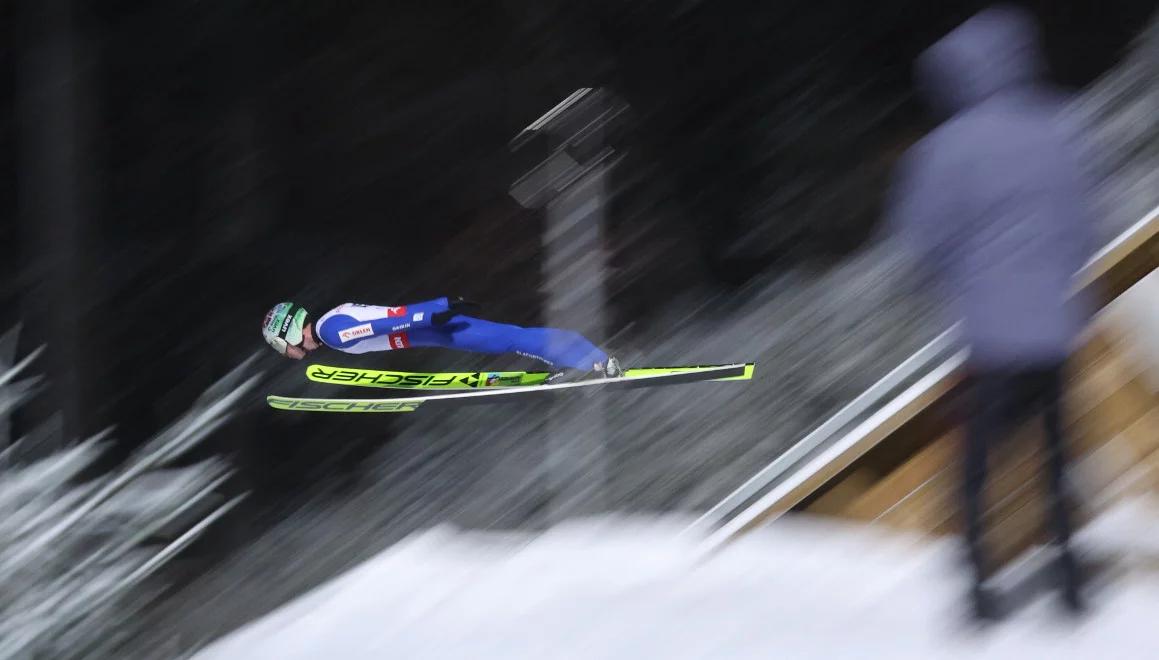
(903, 470)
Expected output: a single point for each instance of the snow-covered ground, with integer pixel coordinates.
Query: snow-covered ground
(640, 588)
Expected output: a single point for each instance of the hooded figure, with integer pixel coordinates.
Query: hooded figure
(995, 206)
(993, 201)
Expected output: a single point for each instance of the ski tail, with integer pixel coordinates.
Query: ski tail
(749, 368)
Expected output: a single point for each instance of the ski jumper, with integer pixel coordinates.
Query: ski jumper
(355, 328)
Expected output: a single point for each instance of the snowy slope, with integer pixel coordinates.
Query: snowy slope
(635, 588)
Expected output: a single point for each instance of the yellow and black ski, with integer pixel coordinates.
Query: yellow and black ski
(471, 380)
(497, 394)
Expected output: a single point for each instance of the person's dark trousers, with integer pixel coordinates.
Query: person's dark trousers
(998, 400)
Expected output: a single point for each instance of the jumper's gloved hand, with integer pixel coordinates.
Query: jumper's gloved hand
(455, 305)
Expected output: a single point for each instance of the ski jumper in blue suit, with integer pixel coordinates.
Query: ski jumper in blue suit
(355, 328)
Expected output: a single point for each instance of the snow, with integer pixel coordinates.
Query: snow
(620, 587)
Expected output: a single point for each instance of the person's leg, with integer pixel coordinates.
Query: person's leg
(986, 405)
(1059, 497)
(558, 348)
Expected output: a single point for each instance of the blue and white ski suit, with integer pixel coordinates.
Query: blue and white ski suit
(355, 328)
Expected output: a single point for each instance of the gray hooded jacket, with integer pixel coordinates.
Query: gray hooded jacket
(994, 201)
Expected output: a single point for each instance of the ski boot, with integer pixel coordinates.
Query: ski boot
(610, 369)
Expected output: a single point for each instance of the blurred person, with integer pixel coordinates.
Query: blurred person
(442, 322)
(994, 204)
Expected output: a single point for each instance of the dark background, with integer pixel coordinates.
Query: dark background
(170, 169)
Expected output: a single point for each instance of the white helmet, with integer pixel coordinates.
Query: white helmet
(284, 326)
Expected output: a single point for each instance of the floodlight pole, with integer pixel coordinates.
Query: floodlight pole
(569, 185)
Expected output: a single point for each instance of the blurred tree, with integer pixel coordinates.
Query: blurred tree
(56, 88)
